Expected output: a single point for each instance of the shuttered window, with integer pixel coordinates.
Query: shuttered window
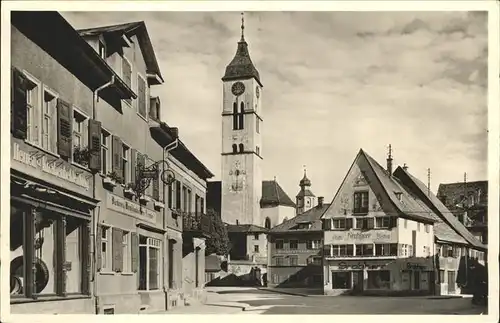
(49, 125)
(106, 260)
(126, 251)
(80, 139)
(33, 102)
(105, 152)
(117, 262)
(19, 105)
(142, 94)
(127, 75)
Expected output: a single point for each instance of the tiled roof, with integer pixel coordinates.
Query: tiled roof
(312, 216)
(273, 194)
(409, 203)
(445, 215)
(244, 228)
(133, 28)
(241, 66)
(305, 192)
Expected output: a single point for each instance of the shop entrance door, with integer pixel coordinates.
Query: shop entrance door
(451, 282)
(357, 281)
(341, 280)
(416, 280)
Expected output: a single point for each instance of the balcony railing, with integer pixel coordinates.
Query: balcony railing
(197, 224)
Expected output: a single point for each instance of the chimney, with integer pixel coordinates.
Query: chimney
(320, 201)
(405, 167)
(389, 161)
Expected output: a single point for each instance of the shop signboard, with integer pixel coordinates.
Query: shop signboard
(359, 237)
(48, 167)
(119, 204)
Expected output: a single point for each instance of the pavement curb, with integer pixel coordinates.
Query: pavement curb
(243, 307)
(284, 292)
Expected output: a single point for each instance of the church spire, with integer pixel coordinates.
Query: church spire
(305, 181)
(241, 67)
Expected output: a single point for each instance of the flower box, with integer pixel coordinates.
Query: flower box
(144, 199)
(159, 205)
(108, 182)
(128, 191)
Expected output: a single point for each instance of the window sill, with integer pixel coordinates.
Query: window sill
(32, 144)
(127, 273)
(85, 168)
(47, 299)
(142, 117)
(107, 273)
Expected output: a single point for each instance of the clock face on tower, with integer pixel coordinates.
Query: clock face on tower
(238, 88)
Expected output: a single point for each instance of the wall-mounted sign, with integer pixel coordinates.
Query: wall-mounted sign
(360, 265)
(348, 237)
(415, 266)
(54, 166)
(119, 204)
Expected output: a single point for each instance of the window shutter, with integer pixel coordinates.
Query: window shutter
(98, 248)
(135, 251)
(348, 223)
(371, 223)
(19, 108)
(95, 145)
(86, 258)
(117, 150)
(61, 256)
(64, 128)
(133, 165)
(117, 250)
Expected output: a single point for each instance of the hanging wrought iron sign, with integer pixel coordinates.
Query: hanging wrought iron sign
(168, 177)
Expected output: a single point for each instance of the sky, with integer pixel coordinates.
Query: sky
(334, 83)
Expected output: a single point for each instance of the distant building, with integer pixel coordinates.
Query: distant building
(305, 199)
(295, 250)
(386, 233)
(469, 203)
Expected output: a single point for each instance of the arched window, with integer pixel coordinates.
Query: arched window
(235, 116)
(242, 115)
(235, 148)
(241, 148)
(267, 224)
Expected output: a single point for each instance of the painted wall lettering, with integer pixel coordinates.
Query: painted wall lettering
(122, 205)
(359, 266)
(360, 237)
(415, 266)
(51, 165)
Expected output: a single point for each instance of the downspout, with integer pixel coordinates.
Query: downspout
(166, 149)
(95, 216)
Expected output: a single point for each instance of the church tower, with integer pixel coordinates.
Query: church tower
(241, 139)
(306, 200)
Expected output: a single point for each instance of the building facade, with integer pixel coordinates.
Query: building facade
(385, 233)
(129, 254)
(296, 250)
(469, 203)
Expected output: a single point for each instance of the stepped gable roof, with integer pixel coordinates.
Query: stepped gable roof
(245, 228)
(273, 194)
(312, 216)
(138, 29)
(445, 215)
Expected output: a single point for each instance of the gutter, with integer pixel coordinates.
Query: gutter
(95, 216)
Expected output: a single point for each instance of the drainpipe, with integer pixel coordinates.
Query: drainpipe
(166, 149)
(95, 99)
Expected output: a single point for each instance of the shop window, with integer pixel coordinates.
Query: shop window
(361, 202)
(379, 279)
(149, 263)
(294, 260)
(279, 244)
(341, 280)
(339, 223)
(294, 244)
(56, 244)
(106, 261)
